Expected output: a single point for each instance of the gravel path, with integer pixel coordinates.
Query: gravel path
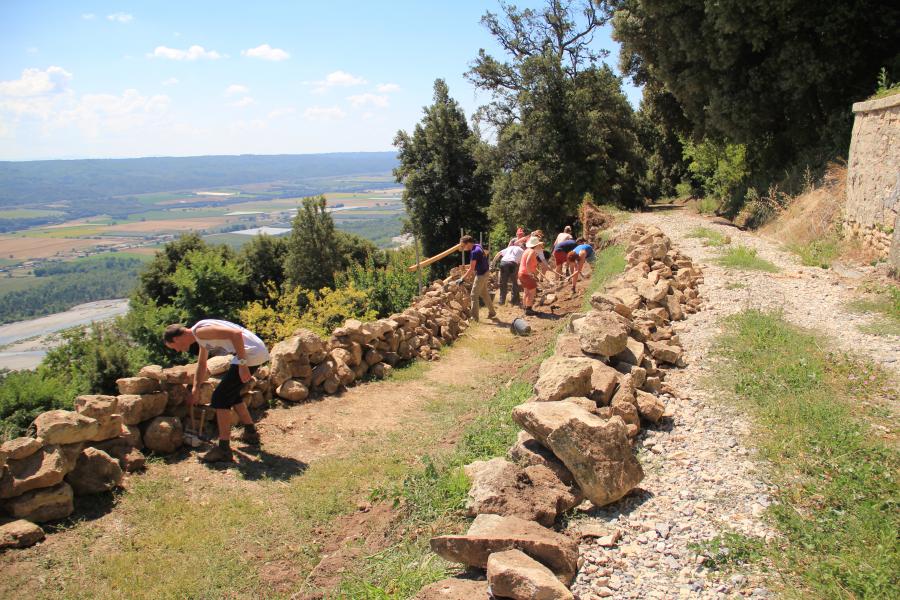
(700, 478)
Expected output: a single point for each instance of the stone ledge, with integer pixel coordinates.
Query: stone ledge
(879, 104)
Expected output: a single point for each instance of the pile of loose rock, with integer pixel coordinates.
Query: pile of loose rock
(605, 379)
(88, 450)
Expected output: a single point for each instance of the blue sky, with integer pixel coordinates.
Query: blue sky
(161, 78)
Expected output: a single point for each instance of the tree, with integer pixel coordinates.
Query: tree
(156, 277)
(206, 286)
(313, 254)
(776, 75)
(444, 189)
(262, 260)
(564, 127)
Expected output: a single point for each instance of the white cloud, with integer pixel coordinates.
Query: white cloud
(337, 79)
(281, 112)
(193, 53)
(324, 113)
(35, 82)
(266, 52)
(387, 88)
(243, 102)
(368, 99)
(88, 16)
(236, 88)
(97, 114)
(120, 17)
(170, 81)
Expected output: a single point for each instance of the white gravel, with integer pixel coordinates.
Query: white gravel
(701, 479)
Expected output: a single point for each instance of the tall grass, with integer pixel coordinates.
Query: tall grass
(837, 479)
(609, 263)
(710, 237)
(745, 258)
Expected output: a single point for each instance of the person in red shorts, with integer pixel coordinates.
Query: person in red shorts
(561, 252)
(528, 269)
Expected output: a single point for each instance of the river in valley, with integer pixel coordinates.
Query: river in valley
(25, 343)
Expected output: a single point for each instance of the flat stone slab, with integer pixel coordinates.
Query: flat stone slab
(493, 533)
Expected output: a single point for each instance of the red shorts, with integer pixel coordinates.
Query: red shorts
(560, 257)
(527, 281)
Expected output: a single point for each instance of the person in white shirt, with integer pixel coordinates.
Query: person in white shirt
(565, 235)
(217, 338)
(509, 258)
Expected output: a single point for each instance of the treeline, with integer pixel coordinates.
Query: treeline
(66, 284)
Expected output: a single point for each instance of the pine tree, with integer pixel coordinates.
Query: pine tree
(445, 190)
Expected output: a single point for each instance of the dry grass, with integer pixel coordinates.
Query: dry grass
(810, 225)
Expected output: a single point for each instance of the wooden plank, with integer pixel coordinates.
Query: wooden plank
(433, 259)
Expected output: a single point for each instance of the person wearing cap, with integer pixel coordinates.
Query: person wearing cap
(528, 269)
(579, 255)
(218, 338)
(509, 258)
(481, 266)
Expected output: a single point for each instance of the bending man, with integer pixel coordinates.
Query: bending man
(509, 258)
(217, 338)
(579, 255)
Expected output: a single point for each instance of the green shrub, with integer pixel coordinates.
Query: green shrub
(710, 237)
(684, 190)
(817, 253)
(707, 206)
(721, 168)
(745, 258)
(390, 288)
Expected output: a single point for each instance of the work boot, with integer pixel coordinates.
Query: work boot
(529, 312)
(249, 435)
(220, 453)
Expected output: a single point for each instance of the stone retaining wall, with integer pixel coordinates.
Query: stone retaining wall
(604, 382)
(88, 450)
(872, 210)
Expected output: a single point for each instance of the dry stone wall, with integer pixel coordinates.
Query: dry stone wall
(90, 449)
(604, 382)
(872, 210)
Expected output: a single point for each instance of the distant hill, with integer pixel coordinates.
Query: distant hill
(38, 183)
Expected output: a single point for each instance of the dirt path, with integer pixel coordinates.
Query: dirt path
(701, 479)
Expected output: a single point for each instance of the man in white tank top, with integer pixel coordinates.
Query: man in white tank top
(217, 338)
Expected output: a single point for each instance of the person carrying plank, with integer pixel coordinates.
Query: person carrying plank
(509, 258)
(217, 338)
(481, 266)
(579, 255)
(528, 269)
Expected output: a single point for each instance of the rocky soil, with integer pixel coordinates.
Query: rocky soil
(701, 479)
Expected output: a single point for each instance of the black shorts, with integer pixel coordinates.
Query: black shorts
(228, 392)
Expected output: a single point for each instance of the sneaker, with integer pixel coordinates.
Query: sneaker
(249, 436)
(529, 312)
(217, 454)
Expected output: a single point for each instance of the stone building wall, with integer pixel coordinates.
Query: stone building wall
(872, 211)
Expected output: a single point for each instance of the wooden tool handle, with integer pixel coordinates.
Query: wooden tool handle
(433, 259)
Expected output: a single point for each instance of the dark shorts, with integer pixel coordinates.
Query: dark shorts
(228, 392)
(527, 281)
(560, 257)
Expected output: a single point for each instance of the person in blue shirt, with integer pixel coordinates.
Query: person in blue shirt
(579, 255)
(480, 264)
